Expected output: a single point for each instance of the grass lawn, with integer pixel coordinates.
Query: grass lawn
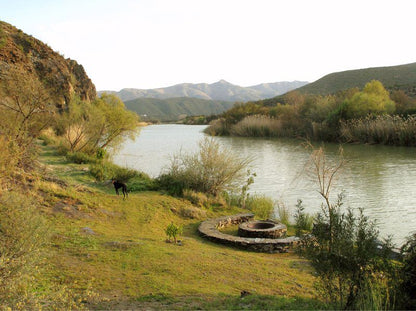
(114, 254)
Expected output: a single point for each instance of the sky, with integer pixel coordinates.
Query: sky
(157, 43)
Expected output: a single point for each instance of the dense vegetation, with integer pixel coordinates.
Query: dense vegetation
(174, 109)
(370, 115)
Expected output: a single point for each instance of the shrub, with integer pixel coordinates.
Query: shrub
(344, 248)
(303, 221)
(23, 233)
(142, 182)
(103, 170)
(211, 170)
(408, 273)
(172, 231)
(81, 158)
(217, 127)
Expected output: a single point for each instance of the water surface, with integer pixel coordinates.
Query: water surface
(380, 179)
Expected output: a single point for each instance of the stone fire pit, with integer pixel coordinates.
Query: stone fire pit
(262, 229)
(209, 230)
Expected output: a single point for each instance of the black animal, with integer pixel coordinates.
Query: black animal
(118, 185)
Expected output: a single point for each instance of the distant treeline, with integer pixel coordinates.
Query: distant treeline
(370, 115)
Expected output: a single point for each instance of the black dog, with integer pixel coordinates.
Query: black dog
(118, 185)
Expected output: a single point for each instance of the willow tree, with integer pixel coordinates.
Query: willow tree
(373, 99)
(90, 126)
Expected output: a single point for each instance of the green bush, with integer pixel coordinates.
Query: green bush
(303, 221)
(81, 158)
(103, 170)
(344, 250)
(142, 182)
(172, 231)
(408, 274)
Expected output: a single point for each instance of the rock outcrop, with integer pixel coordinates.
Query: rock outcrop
(61, 77)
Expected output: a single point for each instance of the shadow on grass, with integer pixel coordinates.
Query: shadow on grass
(226, 302)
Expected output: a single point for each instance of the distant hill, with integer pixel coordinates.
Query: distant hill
(221, 90)
(61, 77)
(173, 109)
(393, 77)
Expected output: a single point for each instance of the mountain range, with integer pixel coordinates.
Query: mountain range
(221, 90)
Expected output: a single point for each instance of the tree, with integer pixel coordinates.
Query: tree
(91, 126)
(25, 110)
(25, 106)
(116, 121)
(373, 99)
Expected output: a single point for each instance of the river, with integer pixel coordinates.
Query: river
(380, 179)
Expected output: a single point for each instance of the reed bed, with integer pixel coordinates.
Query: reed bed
(258, 126)
(383, 129)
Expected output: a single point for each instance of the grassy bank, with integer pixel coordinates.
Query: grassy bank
(113, 252)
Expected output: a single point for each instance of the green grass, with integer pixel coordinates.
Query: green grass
(127, 263)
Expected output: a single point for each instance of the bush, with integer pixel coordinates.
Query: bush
(172, 231)
(23, 233)
(142, 182)
(303, 221)
(81, 158)
(408, 274)
(211, 170)
(106, 170)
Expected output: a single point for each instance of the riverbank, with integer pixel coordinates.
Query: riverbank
(113, 253)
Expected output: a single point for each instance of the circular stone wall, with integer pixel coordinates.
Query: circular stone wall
(262, 229)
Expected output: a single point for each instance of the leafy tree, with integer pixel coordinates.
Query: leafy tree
(90, 127)
(116, 121)
(373, 99)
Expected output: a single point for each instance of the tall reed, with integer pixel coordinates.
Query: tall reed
(258, 126)
(383, 129)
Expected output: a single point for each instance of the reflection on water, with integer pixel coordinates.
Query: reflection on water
(380, 179)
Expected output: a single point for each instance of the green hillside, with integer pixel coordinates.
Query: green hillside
(173, 109)
(394, 77)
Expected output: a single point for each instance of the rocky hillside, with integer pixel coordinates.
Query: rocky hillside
(61, 77)
(221, 90)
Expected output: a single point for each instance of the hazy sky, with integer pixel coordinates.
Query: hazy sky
(157, 43)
